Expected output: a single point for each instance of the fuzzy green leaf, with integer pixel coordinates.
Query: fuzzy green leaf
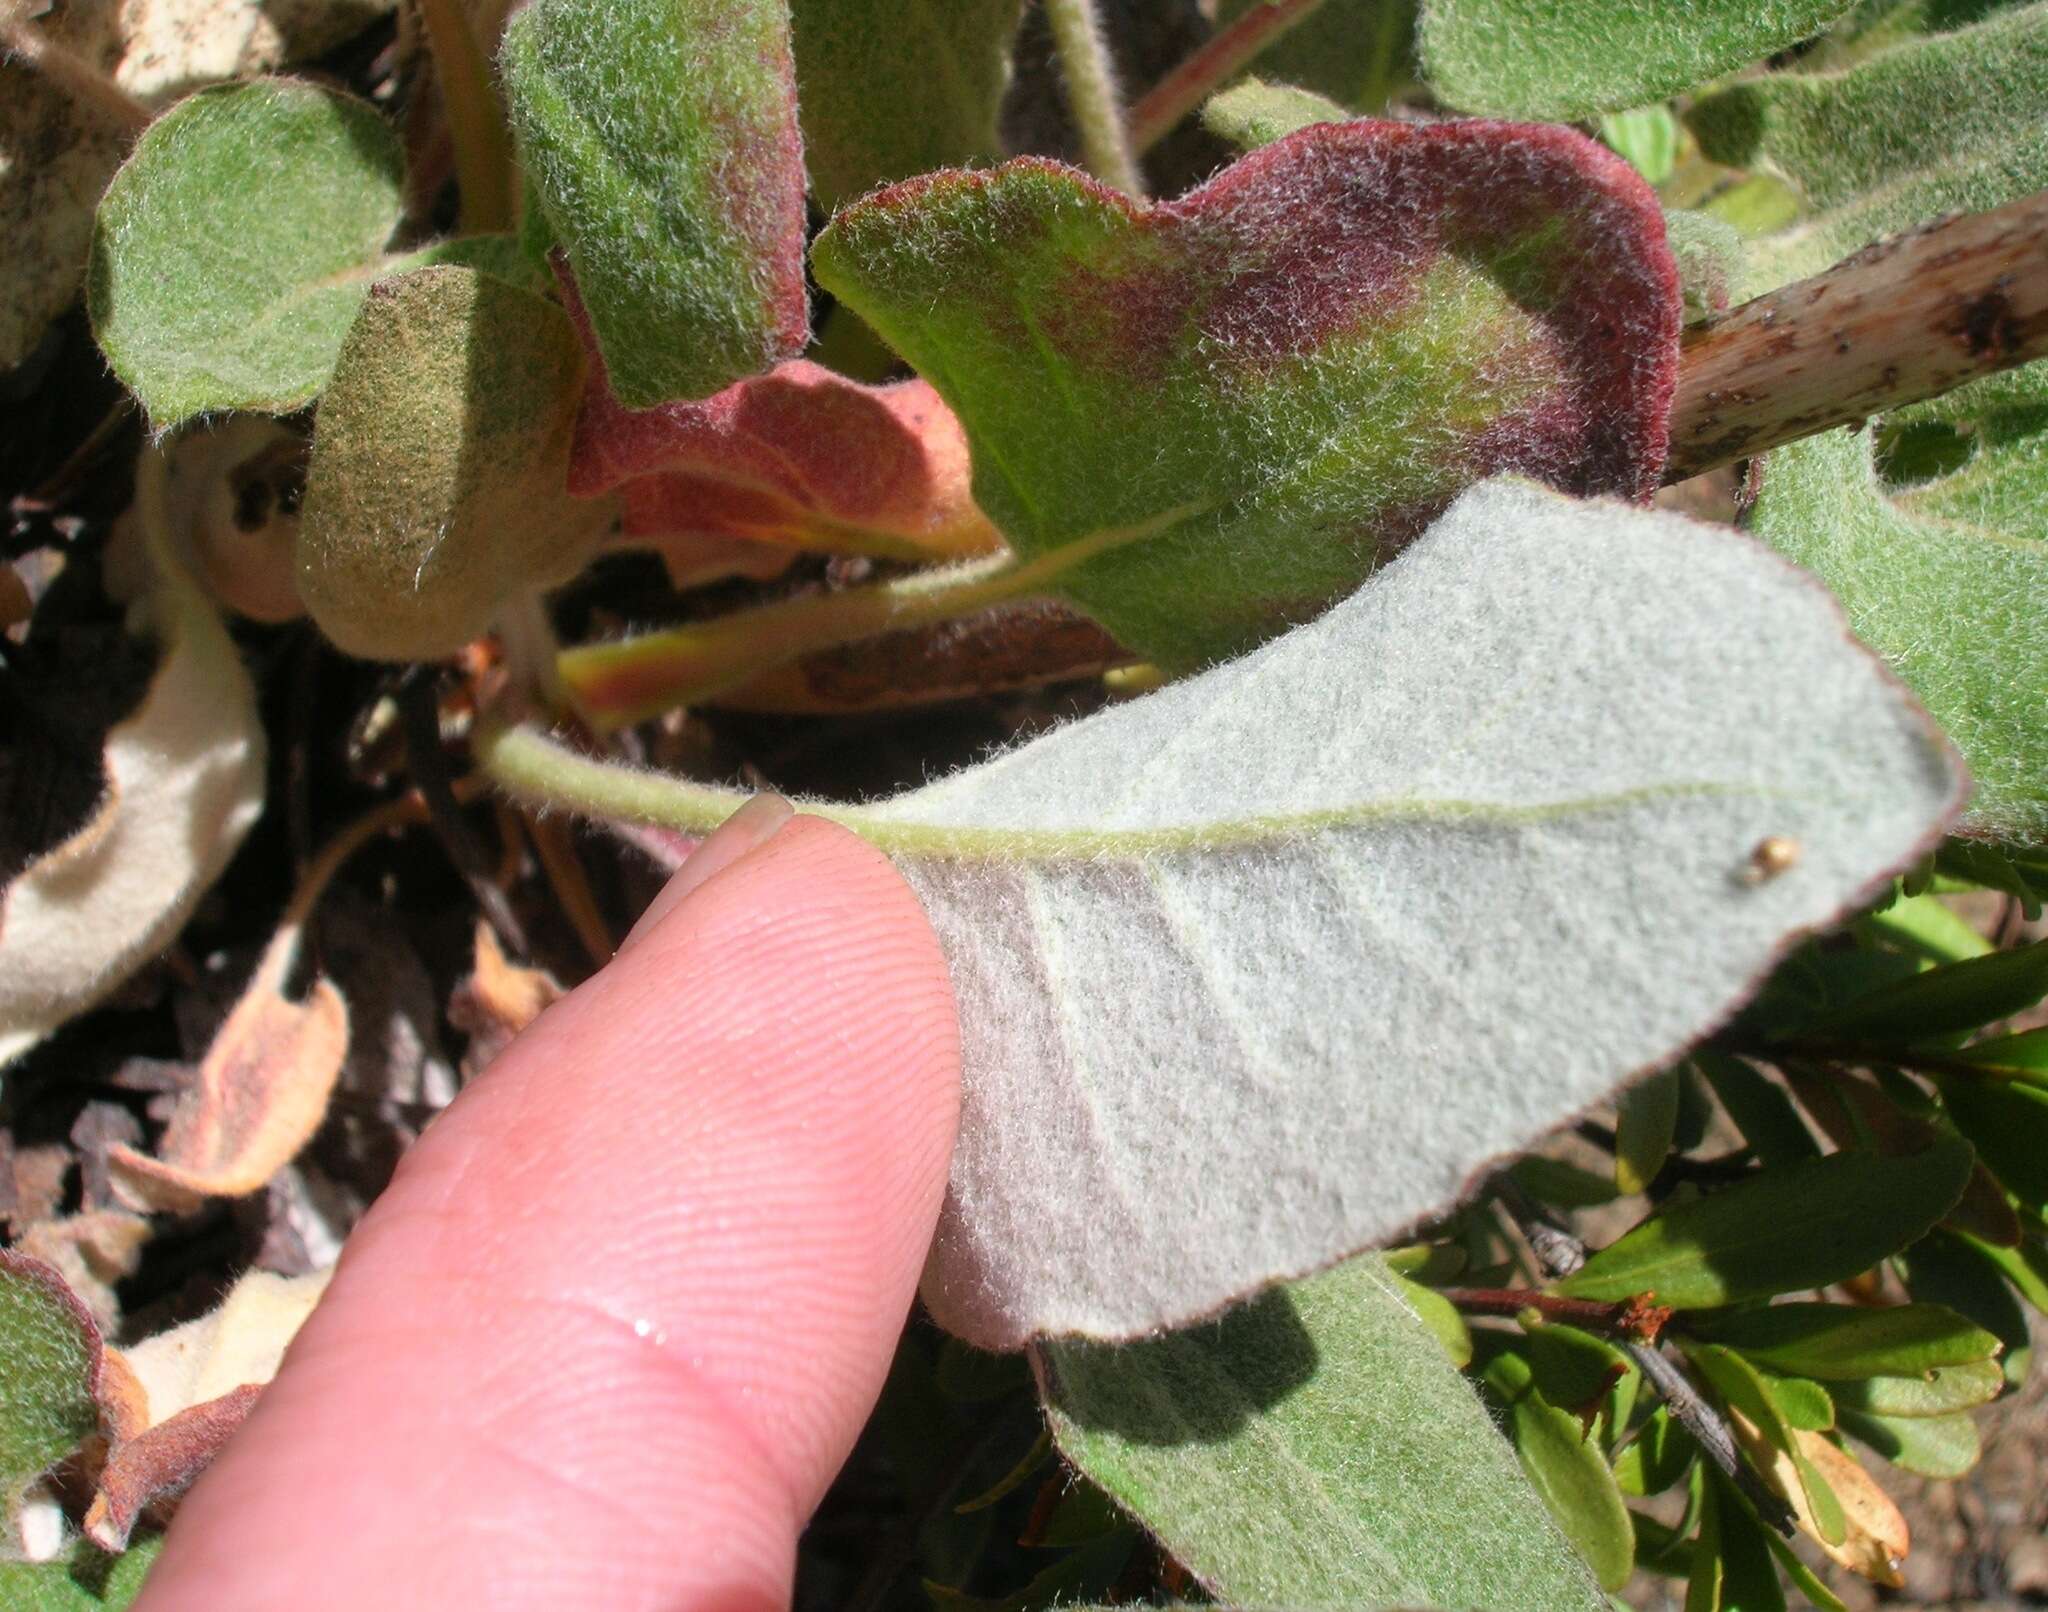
(83, 1579)
(662, 137)
(1838, 1342)
(1314, 1449)
(892, 88)
(232, 249)
(49, 1374)
(1577, 58)
(1940, 1392)
(1935, 103)
(437, 487)
(1253, 113)
(1852, 1210)
(1948, 579)
(1933, 1446)
(1648, 137)
(1203, 421)
(1274, 862)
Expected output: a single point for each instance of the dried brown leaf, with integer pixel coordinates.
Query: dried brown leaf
(1875, 1538)
(498, 1000)
(92, 1251)
(162, 1463)
(241, 1342)
(262, 1091)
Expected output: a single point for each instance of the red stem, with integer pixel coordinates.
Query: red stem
(1635, 1318)
(1216, 63)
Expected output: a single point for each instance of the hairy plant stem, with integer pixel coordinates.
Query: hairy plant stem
(476, 120)
(1154, 113)
(1903, 320)
(1092, 94)
(88, 88)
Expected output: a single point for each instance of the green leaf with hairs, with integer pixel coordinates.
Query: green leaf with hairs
(1838, 1342)
(662, 138)
(1852, 1210)
(891, 88)
(1254, 113)
(82, 1579)
(1315, 1449)
(1567, 59)
(437, 486)
(234, 246)
(1945, 572)
(49, 1375)
(1203, 421)
(1565, 1466)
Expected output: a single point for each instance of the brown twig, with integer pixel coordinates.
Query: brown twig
(557, 853)
(1563, 1254)
(1909, 318)
(1630, 1318)
(1177, 94)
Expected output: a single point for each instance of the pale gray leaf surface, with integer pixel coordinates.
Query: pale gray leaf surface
(1316, 1448)
(1264, 967)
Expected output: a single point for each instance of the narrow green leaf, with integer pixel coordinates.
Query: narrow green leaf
(1577, 1371)
(2007, 1122)
(1564, 1465)
(1749, 1570)
(49, 1374)
(437, 486)
(1940, 1392)
(1647, 1120)
(1743, 1388)
(1839, 1342)
(1555, 1181)
(1803, 1578)
(1927, 925)
(2020, 874)
(1026, 1466)
(232, 249)
(1852, 1210)
(1254, 113)
(1706, 1584)
(1804, 1405)
(1427, 1263)
(1576, 58)
(83, 1579)
(1948, 1001)
(1761, 1110)
(1933, 1446)
(1441, 1317)
(1289, 843)
(2018, 1057)
(2026, 1267)
(891, 88)
(1314, 1448)
(1944, 1270)
(1202, 421)
(662, 136)
(1657, 1457)
(1647, 136)
(1090, 1570)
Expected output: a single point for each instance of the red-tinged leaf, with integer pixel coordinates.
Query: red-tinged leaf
(1201, 421)
(162, 1463)
(261, 1092)
(799, 458)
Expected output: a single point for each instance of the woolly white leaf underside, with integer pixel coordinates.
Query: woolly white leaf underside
(1265, 967)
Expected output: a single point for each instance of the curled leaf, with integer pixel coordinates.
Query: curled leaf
(800, 458)
(50, 1371)
(184, 783)
(240, 1341)
(161, 1464)
(1204, 420)
(436, 489)
(498, 1000)
(260, 1093)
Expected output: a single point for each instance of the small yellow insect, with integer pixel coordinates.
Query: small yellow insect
(1774, 854)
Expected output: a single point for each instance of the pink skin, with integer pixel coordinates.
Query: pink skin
(617, 1321)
